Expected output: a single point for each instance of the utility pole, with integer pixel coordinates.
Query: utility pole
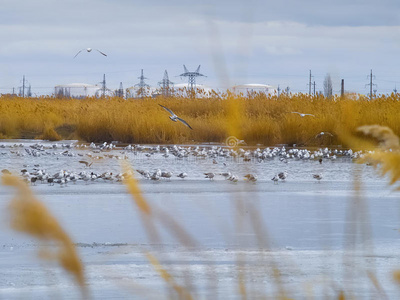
(141, 85)
(370, 85)
(121, 90)
(395, 89)
(103, 87)
(279, 89)
(342, 89)
(191, 78)
(309, 85)
(314, 87)
(23, 86)
(165, 85)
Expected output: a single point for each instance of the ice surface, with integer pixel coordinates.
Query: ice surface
(323, 237)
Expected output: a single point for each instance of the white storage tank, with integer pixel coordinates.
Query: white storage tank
(77, 90)
(251, 88)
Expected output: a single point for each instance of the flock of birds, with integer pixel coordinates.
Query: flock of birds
(90, 156)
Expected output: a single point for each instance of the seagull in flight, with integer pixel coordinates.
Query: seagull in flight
(174, 117)
(323, 133)
(90, 50)
(301, 114)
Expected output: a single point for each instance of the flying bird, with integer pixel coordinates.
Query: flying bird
(174, 117)
(90, 50)
(301, 114)
(322, 133)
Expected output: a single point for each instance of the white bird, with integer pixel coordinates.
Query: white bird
(233, 178)
(174, 117)
(90, 50)
(275, 179)
(323, 133)
(156, 175)
(301, 114)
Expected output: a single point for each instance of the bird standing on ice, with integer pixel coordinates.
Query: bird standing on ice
(174, 117)
(182, 175)
(317, 176)
(210, 175)
(275, 179)
(89, 50)
(283, 175)
(251, 177)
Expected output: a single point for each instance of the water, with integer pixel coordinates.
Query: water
(319, 232)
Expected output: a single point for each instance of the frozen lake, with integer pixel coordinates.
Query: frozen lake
(300, 238)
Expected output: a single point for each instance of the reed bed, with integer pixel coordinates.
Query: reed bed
(258, 119)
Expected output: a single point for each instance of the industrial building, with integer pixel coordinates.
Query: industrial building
(76, 90)
(251, 88)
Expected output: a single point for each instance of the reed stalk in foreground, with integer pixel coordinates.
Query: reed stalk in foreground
(30, 216)
(385, 157)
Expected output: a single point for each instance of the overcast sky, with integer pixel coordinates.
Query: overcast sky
(235, 42)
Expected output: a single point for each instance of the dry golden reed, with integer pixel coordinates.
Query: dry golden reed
(168, 278)
(396, 276)
(134, 189)
(384, 135)
(387, 156)
(30, 216)
(256, 118)
(151, 216)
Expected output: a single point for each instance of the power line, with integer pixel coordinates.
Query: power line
(191, 76)
(371, 84)
(165, 84)
(309, 84)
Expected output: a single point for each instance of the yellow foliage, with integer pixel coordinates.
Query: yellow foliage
(133, 188)
(383, 134)
(257, 118)
(168, 278)
(50, 134)
(396, 276)
(388, 155)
